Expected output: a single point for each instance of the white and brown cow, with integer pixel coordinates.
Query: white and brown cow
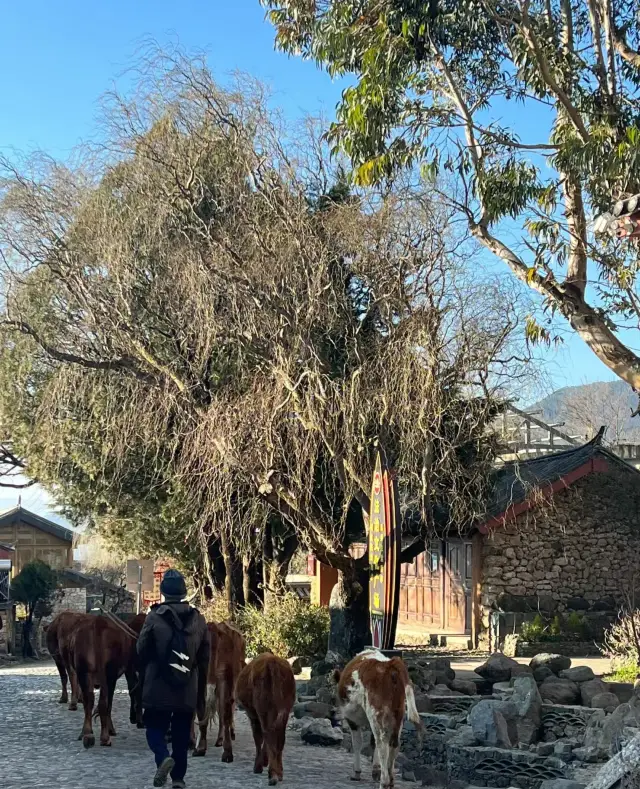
(372, 692)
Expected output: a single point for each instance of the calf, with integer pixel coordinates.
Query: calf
(58, 637)
(100, 652)
(372, 691)
(267, 691)
(226, 662)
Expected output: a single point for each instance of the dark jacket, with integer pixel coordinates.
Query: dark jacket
(153, 644)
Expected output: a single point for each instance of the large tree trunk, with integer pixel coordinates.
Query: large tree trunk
(349, 611)
(252, 586)
(280, 544)
(234, 580)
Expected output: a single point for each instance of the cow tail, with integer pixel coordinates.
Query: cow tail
(412, 710)
(210, 707)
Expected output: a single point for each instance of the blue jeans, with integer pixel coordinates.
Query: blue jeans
(157, 723)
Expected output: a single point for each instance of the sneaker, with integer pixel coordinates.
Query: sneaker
(162, 773)
(178, 785)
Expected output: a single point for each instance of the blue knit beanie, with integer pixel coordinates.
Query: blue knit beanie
(173, 586)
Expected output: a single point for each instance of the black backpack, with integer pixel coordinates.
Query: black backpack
(178, 664)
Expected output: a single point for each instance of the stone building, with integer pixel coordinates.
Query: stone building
(562, 533)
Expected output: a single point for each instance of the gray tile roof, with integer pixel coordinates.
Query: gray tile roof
(514, 482)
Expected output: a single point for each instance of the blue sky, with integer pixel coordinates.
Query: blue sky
(57, 59)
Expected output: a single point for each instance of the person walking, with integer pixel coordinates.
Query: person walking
(173, 649)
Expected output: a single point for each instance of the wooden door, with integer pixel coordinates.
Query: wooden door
(458, 572)
(421, 589)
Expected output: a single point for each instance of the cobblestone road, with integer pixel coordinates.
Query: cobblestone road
(39, 747)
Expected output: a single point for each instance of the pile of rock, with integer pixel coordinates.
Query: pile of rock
(315, 714)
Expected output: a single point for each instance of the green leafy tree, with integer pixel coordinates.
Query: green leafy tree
(34, 587)
(434, 82)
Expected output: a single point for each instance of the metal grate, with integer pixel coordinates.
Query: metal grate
(4, 586)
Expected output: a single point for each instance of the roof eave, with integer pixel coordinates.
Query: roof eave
(594, 465)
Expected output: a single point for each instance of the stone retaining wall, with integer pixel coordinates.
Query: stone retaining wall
(568, 648)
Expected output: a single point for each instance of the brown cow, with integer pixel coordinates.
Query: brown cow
(58, 639)
(226, 662)
(372, 691)
(100, 652)
(267, 691)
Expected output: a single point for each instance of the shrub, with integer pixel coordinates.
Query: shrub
(622, 639)
(555, 628)
(577, 625)
(290, 628)
(215, 610)
(624, 672)
(533, 631)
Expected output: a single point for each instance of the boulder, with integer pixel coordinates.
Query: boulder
(497, 668)
(556, 663)
(443, 690)
(320, 732)
(312, 709)
(564, 751)
(502, 689)
(528, 703)
(587, 754)
(326, 695)
(541, 673)
(489, 725)
(296, 665)
(464, 737)
(561, 783)
(590, 689)
(423, 703)
(605, 701)
(466, 686)
(623, 690)
(560, 691)
(317, 682)
(578, 674)
(322, 668)
(622, 770)
(545, 748)
(520, 670)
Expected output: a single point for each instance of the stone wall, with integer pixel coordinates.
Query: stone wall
(584, 543)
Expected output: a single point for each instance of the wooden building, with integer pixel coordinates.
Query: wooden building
(34, 537)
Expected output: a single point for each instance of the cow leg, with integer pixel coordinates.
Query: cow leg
(86, 685)
(375, 770)
(225, 712)
(356, 738)
(258, 738)
(273, 740)
(107, 689)
(135, 711)
(62, 671)
(75, 690)
(386, 776)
